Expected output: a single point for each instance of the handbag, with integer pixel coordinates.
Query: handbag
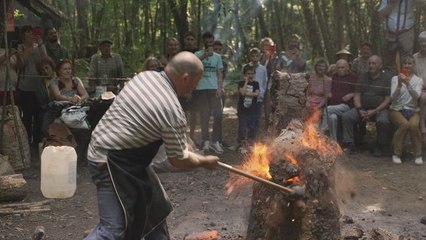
(75, 117)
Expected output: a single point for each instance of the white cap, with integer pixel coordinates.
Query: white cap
(422, 35)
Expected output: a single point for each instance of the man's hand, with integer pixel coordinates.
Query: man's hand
(209, 162)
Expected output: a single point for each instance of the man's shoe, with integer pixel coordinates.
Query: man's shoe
(396, 159)
(216, 148)
(377, 152)
(418, 160)
(206, 145)
(349, 148)
(243, 150)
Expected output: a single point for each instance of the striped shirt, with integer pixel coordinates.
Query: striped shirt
(145, 111)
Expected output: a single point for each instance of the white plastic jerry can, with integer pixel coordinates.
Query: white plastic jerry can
(58, 172)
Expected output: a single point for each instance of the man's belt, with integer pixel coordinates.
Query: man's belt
(400, 31)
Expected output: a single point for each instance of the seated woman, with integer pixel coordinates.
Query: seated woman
(404, 111)
(319, 86)
(66, 87)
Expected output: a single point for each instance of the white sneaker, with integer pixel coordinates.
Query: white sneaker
(206, 145)
(243, 150)
(216, 147)
(418, 161)
(396, 159)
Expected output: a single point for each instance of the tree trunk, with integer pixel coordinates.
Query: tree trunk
(83, 28)
(311, 29)
(288, 100)
(179, 15)
(12, 188)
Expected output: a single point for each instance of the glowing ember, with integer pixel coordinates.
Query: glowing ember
(289, 157)
(311, 137)
(257, 164)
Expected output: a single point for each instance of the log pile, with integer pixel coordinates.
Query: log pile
(25, 208)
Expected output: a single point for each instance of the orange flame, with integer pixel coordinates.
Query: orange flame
(292, 159)
(257, 164)
(311, 137)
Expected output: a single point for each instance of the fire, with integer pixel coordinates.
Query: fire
(311, 137)
(257, 163)
(292, 160)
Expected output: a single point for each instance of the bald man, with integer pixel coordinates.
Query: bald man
(420, 66)
(146, 114)
(342, 92)
(371, 103)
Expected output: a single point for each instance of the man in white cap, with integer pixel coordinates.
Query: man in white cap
(105, 67)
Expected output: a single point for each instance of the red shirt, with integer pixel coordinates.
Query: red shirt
(340, 86)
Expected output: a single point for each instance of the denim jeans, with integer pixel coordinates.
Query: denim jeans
(246, 128)
(208, 104)
(330, 117)
(112, 224)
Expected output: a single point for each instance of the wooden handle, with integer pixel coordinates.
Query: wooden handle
(256, 178)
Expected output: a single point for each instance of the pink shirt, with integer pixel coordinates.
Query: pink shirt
(318, 90)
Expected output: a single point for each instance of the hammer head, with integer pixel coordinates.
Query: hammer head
(298, 192)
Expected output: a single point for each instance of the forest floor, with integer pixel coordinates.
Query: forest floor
(374, 192)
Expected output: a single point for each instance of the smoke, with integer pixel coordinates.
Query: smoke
(344, 180)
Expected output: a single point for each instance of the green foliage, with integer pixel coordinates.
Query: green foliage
(140, 28)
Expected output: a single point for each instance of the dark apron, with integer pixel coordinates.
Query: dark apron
(139, 190)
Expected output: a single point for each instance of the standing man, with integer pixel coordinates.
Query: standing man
(106, 66)
(420, 69)
(400, 30)
(54, 50)
(146, 113)
(371, 102)
(189, 42)
(208, 94)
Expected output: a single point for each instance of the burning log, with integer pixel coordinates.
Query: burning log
(298, 157)
(274, 215)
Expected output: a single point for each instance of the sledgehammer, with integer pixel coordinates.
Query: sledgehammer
(294, 192)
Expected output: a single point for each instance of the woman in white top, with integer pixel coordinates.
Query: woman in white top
(404, 111)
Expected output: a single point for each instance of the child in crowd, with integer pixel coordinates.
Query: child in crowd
(248, 92)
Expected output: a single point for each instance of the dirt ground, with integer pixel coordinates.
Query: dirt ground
(374, 192)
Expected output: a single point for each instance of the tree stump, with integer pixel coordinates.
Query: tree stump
(275, 216)
(12, 188)
(288, 97)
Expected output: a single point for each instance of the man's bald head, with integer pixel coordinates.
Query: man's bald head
(342, 67)
(185, 70)
(374, 65)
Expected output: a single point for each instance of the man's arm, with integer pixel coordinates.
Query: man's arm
(195, 160)
(357, 101)
(219, 82)
(386, 8)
